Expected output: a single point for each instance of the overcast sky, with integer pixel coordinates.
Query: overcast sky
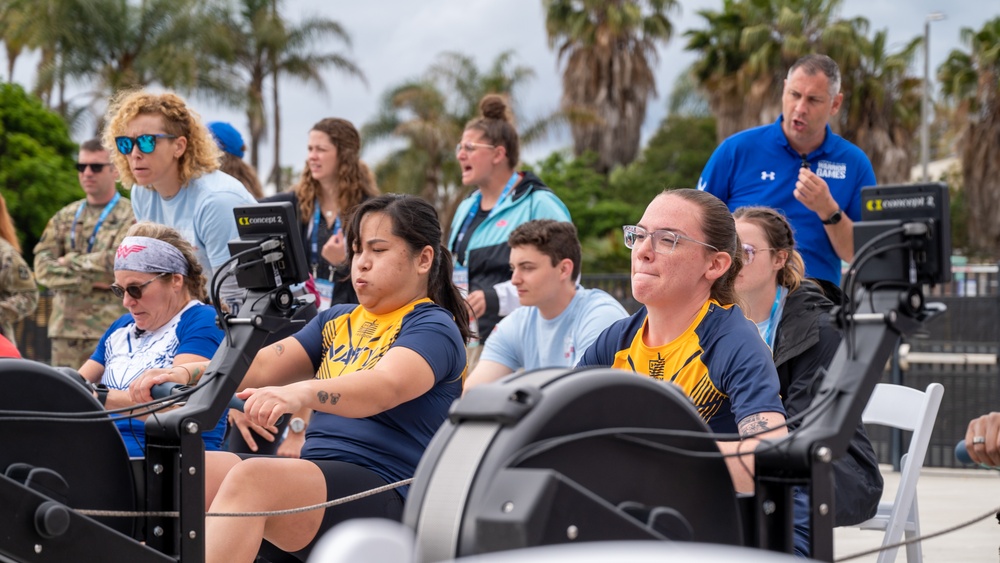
(395, 40)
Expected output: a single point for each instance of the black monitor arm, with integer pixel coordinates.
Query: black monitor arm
(804, 457)
(175, 452)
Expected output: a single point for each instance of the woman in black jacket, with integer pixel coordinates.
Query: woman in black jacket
(792, 316)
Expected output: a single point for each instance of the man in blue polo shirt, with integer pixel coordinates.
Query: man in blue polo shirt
(799, 166)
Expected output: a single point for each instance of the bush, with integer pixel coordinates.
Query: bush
(37, 177)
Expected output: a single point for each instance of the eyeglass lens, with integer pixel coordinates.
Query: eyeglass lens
(133, 291)
(96, 167)
(146, 143)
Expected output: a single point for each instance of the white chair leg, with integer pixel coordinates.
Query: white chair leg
(914, 554)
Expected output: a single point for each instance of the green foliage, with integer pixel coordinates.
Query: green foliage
(36, 163)
(598, 218)
(673, 159)
(600, 205)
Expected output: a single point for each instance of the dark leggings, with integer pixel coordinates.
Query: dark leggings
(345, 479)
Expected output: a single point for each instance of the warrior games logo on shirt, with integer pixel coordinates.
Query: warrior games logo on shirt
(835, 170)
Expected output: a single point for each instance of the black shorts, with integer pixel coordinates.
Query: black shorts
(345, 479)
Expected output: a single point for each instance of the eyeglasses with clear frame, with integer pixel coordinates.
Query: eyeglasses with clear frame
(471, 147)
(750, 251)
(135, 291)
(664, 241)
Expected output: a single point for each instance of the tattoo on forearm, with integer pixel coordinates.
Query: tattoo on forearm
(323, 397)
(278, 349)
(753, 424)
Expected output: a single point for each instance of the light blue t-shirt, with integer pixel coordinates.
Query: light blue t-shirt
(202, 212)
(525, 339)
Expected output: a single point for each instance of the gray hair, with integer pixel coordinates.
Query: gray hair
(812, 64)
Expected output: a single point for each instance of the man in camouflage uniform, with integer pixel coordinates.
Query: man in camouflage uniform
(75, 259)
(18, 292)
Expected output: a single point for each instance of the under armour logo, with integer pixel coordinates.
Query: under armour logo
(767, 175)
(124, 251)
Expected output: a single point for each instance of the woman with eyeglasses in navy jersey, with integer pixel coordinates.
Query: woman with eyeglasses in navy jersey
(166, 154)
(690, 333)
(160, 283)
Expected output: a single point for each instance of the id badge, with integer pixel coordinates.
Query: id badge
(460, 277)
(325, 289)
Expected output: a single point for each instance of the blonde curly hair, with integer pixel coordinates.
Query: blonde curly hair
(202, 154)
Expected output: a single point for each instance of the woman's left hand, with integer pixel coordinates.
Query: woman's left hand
(265, 406)
(335, 249)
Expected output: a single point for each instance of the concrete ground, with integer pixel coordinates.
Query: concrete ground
(946, 497)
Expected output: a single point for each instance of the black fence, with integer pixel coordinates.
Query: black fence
(970, 325)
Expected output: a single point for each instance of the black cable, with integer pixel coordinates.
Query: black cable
(536, 448)
(133, 411)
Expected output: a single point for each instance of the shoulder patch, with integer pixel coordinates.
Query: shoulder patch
(23, 272)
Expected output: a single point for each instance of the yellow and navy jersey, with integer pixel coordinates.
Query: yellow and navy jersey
(346, 339)
(720, 362)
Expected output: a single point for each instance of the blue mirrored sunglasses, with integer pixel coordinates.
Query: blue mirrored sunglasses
(146, 143)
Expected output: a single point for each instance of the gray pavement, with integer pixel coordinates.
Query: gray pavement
(946, 498)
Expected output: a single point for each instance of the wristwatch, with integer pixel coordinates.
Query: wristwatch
(297, 425)
(835, 218)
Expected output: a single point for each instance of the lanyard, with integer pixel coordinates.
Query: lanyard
(97, 227)
(315, 238)
(474, 208)
(769, 332)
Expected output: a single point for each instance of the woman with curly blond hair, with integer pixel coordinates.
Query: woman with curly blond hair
(161, 145)
(333, 182)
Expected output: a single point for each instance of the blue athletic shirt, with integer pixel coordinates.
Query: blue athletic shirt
(720, 362)
(126, 353)
(758, 167)
(347, 338)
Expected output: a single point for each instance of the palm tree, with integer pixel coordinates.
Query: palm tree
(258, 44)
(429, 114)
(609, 49)
(881, 109)
(294, 58)
(971, 80)
(748, 46)
(108, 45)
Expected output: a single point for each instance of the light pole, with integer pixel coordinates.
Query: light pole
(925, 142)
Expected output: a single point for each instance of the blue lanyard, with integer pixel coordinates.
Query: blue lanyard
(474, 208)
(770, 319)
(315, 238)
(97, 227)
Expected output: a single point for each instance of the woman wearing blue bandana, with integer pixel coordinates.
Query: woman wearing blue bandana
(161, 284)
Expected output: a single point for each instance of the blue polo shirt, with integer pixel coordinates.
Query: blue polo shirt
(759, 167)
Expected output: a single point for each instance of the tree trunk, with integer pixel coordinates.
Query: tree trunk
(981, 177)
(275, 177)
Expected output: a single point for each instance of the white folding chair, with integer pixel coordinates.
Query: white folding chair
(910, 409)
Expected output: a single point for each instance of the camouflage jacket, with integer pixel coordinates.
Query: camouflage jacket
(79, 310)
(18, 292)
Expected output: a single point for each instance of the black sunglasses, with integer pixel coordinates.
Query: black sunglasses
(134, 291)
(96, 167)
(146, 143)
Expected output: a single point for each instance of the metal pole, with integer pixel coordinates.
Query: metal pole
(925, 101)
(924, 133)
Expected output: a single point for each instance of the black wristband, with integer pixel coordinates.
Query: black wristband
(102, 393)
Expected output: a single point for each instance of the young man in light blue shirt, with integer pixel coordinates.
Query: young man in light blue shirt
(558, 319)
